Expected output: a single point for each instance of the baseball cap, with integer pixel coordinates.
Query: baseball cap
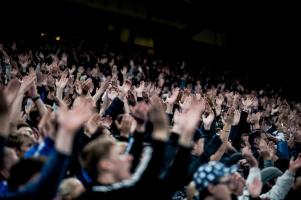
(211, 172)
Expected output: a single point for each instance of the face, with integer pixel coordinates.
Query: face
(245, 138)
(221, 190)
(120, 163)
(198, 147)
(26, 145)
(257, 142)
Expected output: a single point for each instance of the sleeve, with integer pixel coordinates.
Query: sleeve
(45, 186)
(178, 171)
(207, 133)
(146, 173)
(282, 149)
(242, 127)
(281, 188)
(213, 145)
(2, 144)
(253, 173)
(115, 109)
(136, 148)
(233, 132)
(169, 154)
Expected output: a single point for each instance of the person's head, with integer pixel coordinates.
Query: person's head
(25, 129)
(213, 180)
(9, 159)
(24, 171)
(70, 188)
(269, 176)
(198, 147)
(198, 143)
(244, 140)
(104, 161)
(254, 138)
(21, 143)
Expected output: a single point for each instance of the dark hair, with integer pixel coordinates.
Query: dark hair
(23, 171)
(254, 135)
(16, 140)
(282, 164)
(131, 99)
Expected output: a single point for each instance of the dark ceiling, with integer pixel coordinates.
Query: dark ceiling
(263, 39)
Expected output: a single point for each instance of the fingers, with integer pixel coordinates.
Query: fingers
(62, 104)
(118, 125)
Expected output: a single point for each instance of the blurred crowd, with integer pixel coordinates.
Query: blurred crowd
(94, 123)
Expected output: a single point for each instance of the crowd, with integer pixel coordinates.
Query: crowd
(88, 123)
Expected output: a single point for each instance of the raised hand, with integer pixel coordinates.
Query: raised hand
(33, 92)
(126, 126)
(71, 120)
(124, 89)
(236, 118)
(140, 89)
(112, 94)
(27, 83)
(219, 100)
(185, 123)
(124, 71)
(50, 80)
(72, 70)
(229, 118)
(151, 89)
(173, 97)
(62, 82)
(78, 88)
(264, 150)
(255, 187)
(92, 124)
(159, 119)
(207, 121)
(157, 90)
(295, 164)
(198, 96)
(247, 103)
(46, 126)
(247, 153)
(185, 105)
(88, 86)
(11, 91)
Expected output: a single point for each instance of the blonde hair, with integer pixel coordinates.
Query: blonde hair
(67, 189)
(93, 152)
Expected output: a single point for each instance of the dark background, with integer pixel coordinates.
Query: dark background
(260, 41)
